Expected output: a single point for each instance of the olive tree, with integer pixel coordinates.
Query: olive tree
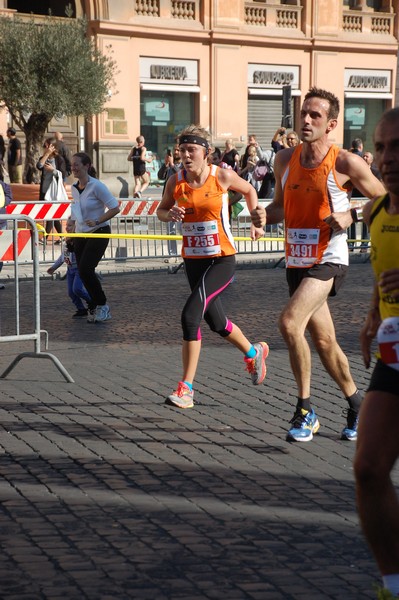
(49, 68)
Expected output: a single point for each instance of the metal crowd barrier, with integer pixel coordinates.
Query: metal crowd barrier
(15, 243)
(138, 219)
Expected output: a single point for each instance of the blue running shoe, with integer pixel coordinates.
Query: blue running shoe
(352, 420)
(304, 425)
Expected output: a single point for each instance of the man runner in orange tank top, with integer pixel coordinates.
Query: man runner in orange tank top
(310, 196)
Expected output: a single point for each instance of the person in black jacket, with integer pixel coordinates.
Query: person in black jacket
(63, 151)
(51, 164)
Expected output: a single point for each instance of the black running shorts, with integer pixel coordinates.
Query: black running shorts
(324, 272)
(384, 379)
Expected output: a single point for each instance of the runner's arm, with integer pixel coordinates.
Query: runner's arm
(167, 209)
(362, 178)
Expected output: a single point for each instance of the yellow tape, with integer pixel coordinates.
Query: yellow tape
(136, 236)
(40, 228)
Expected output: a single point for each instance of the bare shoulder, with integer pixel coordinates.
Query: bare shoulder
(282, 159)
(346, 162)
(229, 179)
(226, 176)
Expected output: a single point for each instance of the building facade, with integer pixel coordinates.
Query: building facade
(224, 64)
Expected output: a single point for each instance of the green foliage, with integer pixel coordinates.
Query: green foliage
(51, 67)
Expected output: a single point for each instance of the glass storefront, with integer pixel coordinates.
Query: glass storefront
(361, 117)
(162, 116)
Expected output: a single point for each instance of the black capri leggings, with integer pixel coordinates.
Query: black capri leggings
(89, 252)
(208, 277)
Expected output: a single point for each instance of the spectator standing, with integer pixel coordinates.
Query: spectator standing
(377, 449)
(63, 151)
(92, 207)
(173, 164)
(252, 141)
(247, 171)
(52, 167)
(5, 199)
(138, 155)
(357, 147)
(2, 156)
(309, 196)
(14, 156)
(230, 155)
(283, 139)
(368, 158)
(266, 189)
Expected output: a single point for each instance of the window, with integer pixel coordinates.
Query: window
(373, 5)
(56, 7)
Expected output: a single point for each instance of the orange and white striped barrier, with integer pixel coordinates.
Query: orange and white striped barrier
(48, 211)
(41, 211)
(138, 208)
(22, 250)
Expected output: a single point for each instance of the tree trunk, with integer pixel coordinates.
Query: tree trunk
(35, 134)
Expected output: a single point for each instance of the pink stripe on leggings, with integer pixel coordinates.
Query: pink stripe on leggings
(216, 293)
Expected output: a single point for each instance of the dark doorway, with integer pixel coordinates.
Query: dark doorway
(43, 7)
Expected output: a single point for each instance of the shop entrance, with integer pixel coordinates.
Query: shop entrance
(361, 117)
(162, 116)
(264, 117)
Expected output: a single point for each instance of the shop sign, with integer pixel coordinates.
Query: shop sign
(273, 76)
(168, 70)
(367, 80)
(168, 73)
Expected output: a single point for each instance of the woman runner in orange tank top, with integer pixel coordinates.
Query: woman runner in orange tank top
(197, 196)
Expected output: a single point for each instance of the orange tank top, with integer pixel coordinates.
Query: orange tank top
(311, 195)
(205, 228)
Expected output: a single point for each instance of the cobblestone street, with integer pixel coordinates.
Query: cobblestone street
(109, 494)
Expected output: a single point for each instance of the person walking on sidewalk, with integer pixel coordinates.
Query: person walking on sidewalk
(92, 207)
(378, 442)
(138, 155)
(310, 196)
(197, 196)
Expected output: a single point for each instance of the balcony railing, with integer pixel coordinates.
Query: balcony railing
(273, 15)
(370, 22)
(147, 8)
(176, 9)
(184, 9)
